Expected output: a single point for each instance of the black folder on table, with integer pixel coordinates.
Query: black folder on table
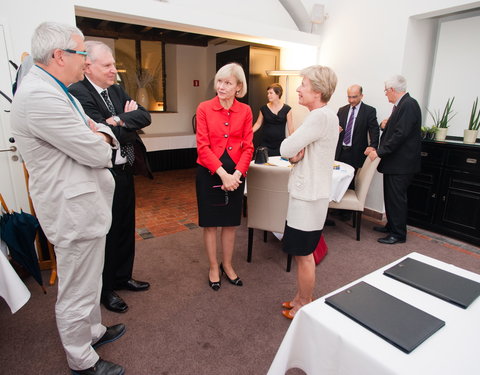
(394, 320)
(442, 284)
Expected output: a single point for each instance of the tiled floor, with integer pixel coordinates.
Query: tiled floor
(167, 204)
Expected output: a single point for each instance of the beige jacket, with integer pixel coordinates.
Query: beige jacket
(311, 178)
(70, 185)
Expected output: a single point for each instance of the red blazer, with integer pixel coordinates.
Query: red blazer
(219, 129)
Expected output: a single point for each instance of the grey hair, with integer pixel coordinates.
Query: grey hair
(397, 82)
(48, 36)
(93, 46)
(323, 80)
(235, 70)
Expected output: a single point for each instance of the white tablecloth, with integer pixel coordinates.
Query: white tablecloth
(341, 177)
(321, 340)
(12, 288)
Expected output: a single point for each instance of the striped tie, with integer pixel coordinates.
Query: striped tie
(348, 130)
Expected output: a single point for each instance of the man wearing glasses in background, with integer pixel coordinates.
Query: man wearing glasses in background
(67, 156)
(399, 149)
(108, 103)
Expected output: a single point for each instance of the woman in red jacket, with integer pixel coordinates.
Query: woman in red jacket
(225, 149)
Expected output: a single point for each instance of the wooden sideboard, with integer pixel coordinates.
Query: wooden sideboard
(445, 196)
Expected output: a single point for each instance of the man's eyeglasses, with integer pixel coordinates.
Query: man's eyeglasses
(83, 53)
(387, 89)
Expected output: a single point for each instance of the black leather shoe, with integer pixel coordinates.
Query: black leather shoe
(101, 368)
(381, 229)
(390, 240)
(113, 302)
(112, 334)
(236, 282)
(134, 285)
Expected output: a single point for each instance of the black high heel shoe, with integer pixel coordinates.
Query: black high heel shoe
(215, 285)
(236, 282)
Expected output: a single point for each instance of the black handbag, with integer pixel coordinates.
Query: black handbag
(261, 155)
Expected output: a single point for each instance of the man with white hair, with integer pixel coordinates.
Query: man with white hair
(108, 103)
(67, 156)
(400, 147)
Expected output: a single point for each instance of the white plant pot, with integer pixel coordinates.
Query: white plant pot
(441, 134)
(470, 136)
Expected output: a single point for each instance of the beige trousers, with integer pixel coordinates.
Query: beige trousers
(79, 320)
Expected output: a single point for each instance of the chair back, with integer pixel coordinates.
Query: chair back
(267, 197)
(364, 177)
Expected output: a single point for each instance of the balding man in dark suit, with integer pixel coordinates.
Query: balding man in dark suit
(360, 131)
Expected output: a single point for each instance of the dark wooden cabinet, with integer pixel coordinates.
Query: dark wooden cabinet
(445, 196)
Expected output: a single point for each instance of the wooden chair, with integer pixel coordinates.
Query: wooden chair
(45, 263)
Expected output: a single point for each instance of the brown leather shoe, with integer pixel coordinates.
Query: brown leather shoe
(101, 368)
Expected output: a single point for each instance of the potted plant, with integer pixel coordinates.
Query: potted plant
(424, 131)
(470, 134)
(431, 133)
(441, 121)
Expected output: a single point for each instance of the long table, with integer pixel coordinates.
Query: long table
(321, 340)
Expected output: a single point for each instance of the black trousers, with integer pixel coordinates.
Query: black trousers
(395, 187)
(120, 246)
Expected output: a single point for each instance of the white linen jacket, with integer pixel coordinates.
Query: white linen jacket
(70, 185)
(311, 178)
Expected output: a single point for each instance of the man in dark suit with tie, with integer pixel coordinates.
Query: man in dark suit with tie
(108, 103)
(359, 133)
(358, 122)
(399, 149)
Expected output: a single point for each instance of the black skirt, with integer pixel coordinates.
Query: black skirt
(299, 242)
(218, 208)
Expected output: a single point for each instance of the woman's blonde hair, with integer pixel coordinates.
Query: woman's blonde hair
(235, 70)
(323, 80)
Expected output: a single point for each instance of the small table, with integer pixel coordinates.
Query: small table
(321, 340)
(12, 288)
(341, 177)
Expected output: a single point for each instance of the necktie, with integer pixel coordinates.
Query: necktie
(108, 102)
(348, 130)
(127, 151)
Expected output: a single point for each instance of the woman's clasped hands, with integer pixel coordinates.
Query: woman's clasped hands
(231, 182)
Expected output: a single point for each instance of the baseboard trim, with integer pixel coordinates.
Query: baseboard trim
(373, 214)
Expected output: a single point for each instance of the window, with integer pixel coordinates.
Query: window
(140, 67)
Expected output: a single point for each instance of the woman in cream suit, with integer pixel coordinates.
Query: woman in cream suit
(311, 148)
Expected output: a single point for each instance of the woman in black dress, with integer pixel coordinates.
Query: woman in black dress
(225, 149)
(274, 116)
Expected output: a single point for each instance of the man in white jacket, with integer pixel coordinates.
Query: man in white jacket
(67, 156)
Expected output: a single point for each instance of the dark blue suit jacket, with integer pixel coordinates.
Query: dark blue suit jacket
(401, 142)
